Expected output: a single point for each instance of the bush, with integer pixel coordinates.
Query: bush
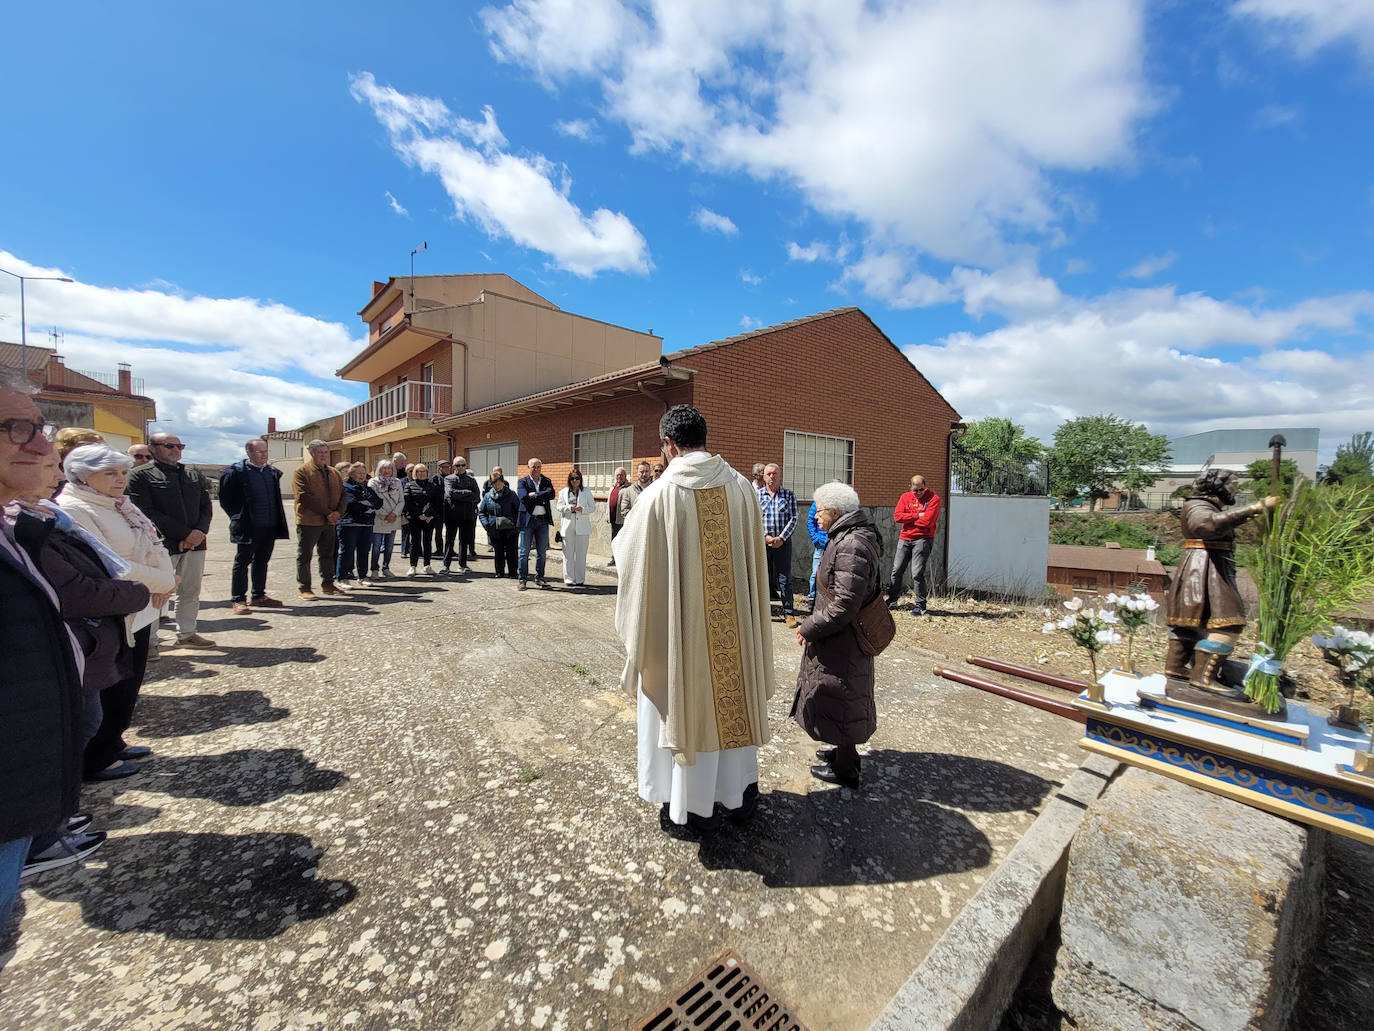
(1091, 530)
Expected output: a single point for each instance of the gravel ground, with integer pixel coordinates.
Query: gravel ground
(415, 808)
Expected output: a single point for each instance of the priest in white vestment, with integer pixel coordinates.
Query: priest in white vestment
(693, 613)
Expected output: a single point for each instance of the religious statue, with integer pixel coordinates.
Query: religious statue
(1204, 609)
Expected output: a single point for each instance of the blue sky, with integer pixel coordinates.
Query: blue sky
(1163, 210)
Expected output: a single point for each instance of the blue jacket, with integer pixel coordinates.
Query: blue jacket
(818, 536)
(499, 504)
(533, 494)
(233, 498)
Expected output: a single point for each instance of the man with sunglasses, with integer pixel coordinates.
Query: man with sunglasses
(176, 498)
(460, 514)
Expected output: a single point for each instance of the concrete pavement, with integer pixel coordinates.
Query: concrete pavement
(415, 808)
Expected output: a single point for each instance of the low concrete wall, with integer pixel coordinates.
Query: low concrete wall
(968, 979)
(999, 544)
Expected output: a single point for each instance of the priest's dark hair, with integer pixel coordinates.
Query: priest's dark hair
(684, 426)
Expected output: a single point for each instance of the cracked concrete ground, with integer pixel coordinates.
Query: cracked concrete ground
(416, 808)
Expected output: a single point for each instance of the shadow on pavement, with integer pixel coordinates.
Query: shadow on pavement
(903, 824)
(232, 655)
(246, 777)
(1003, 614)
(188, 886)
(178, 715)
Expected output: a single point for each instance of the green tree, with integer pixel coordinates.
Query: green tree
(1354, 462)
(994, 456)
(1260, 470)
(1091, 454)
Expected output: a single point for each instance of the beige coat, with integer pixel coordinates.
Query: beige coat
(692, 608)
(130, 534)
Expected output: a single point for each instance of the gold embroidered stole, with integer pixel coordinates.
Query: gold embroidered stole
(722, 618)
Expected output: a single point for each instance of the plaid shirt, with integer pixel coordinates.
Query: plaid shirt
(779, 512)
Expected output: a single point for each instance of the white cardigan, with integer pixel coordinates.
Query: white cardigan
(575, 523)
(149, 562)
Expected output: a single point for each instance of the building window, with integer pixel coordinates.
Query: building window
(597, 453)
(1085, 583)
(429, 456)
(810, 459)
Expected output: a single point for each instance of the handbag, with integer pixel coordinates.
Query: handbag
(874, 627)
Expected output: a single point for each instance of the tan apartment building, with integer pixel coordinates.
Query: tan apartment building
(442, 345)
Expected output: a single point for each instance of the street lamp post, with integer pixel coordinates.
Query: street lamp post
(23, 318)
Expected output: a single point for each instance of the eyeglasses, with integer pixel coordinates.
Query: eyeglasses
(171, 447)
(21, 431)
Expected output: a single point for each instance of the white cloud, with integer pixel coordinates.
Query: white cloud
(577, 128)
(1015, 289)
(818, 250)
(1150, 266)
(214, 365)
(1307, 26)
(711, 222)
(938, 125)
(523, 198)
(396, 205)
(748, 277)
(748, 322)
(1275, 116)
(1077, 266)
(1147, 355)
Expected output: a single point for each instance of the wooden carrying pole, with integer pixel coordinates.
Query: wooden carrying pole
(1026, 673)
(1031, 698)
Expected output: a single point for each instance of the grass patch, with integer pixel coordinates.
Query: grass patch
(529, 773)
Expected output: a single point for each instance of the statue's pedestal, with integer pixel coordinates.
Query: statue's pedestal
(1301, 767)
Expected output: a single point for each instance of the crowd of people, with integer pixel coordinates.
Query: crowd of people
(100, 546)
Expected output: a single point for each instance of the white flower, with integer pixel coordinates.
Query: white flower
(1112, 599)
(1067, 623)
(1107, 617)
(1049, 628)
(1073, 604)
(1149, 603)
(1325, 643)
(1108, 637)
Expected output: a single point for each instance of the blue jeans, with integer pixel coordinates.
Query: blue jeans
(12, 856)
(382, 543)
(815, 565)
(355, 540)
(536, 532)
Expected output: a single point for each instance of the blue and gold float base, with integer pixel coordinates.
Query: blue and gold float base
(1314, 783)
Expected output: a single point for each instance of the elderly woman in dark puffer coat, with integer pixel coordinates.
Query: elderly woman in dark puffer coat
(834, 700)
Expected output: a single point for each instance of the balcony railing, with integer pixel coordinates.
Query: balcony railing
(407, 401)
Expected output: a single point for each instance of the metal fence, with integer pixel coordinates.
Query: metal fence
(974, 473)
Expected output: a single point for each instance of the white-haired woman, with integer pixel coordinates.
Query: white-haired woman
(834, 699)
(96, 477)
(390, 517)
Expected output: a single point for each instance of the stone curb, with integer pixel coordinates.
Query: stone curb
(967, 980)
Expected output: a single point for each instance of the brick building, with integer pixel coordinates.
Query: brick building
(439, 345)
(829, 396)
(113, 404)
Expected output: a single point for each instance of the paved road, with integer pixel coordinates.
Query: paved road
(416, 808)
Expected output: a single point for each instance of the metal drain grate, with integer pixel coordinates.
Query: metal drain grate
(726, 996)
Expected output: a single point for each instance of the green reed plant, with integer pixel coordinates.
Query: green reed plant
(1315, 560)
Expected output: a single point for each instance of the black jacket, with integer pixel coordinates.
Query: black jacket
(93, 602)
(423, 498)
(41, 705)
(363, 503)
(176, 498)
(502, 504)
(461, 496)
(234, 499)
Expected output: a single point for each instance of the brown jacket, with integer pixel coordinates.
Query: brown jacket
(834, 699)
(319, 491)
(1203, 593)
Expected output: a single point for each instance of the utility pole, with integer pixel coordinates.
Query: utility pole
(23, 315)
(423, 247)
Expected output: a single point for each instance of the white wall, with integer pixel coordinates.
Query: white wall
(999, 544)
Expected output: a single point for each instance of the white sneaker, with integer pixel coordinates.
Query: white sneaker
(410, 571)
(429, 570)
(343, 585)
(364, 583)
